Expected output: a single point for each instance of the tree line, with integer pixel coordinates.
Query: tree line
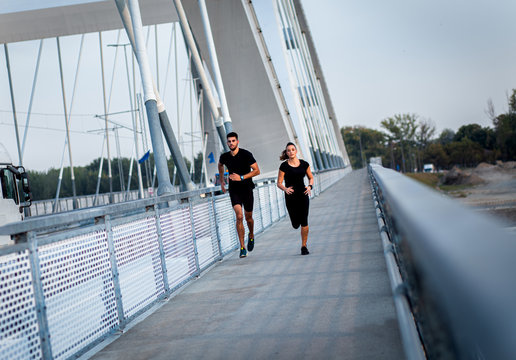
(44, 183)
(407, 141)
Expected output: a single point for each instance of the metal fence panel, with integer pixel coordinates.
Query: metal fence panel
(78, 290)
(176, 231)
(19, 331)
(264, 205)
(139, 264)
(225, 219)
(281, 202)
(205, 233)
(273, 196)
(257, 215)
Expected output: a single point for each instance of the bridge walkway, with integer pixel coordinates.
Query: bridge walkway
(276, 304)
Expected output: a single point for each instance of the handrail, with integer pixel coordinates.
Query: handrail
(411, 340)
(67, 217)
(78, 215)
(459, 261)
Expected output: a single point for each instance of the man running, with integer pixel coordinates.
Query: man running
(241, 167)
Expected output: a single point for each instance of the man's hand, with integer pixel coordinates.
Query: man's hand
(235, 177)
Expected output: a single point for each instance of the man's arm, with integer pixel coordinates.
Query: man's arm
(240, 177)
(221, 177)
(254, 172)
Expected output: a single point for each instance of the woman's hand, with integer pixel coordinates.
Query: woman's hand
(308, 190)
(289, 190)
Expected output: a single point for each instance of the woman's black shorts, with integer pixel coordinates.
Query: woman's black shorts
(297, 206)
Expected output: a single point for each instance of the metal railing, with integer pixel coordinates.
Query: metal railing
(457, 270)
(73, 279)
(46, 207)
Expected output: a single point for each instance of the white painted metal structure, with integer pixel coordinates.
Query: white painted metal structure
(80, 18)
(79, 277)
(254, 96)
(311, 102)
(303, 24)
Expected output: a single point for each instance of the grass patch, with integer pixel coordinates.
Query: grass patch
(432, 180)
(429, 179)
(452, 188)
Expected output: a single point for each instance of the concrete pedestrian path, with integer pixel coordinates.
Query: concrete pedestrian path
(335, 303)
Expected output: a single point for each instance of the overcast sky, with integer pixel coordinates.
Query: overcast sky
(441, 60)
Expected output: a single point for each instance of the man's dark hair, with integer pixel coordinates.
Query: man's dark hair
(232, 134)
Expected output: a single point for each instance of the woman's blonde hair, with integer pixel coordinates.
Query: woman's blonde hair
(284, 155)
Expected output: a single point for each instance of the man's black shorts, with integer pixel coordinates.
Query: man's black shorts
(243, 197)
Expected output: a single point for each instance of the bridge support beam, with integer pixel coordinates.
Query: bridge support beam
(196, 59)
(138, 44)
(129, 16)
(215, 67)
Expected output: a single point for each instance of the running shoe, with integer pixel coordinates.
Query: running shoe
(304, 250)
(250, 243)
(243, 253)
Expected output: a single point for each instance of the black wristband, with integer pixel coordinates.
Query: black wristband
(311, 187)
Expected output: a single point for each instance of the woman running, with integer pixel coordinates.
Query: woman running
(297, 195)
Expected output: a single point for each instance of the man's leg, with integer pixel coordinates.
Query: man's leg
(240, 224)
(248, 203)
(250, 223)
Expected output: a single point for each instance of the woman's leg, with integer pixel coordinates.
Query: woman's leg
(292, 206)
(303, 209)
(304, 235)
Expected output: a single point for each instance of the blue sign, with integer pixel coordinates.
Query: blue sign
(144, 157)
(211, 157)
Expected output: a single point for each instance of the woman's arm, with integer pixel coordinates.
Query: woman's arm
(310, 181)
(279, 183)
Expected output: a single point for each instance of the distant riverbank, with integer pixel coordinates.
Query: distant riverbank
(487, 188)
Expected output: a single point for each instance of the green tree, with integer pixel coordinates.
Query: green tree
(435, 154)
(446, 137)
(424, 134)
(465, 153)
(401, 129)
(198, 171)
(505, 133)
(363, 143)
(485, 137)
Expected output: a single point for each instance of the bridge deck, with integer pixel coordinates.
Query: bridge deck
(334, 303)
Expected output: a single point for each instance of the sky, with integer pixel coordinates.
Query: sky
(441, 60)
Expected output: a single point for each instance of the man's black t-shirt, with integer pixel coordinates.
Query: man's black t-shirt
(239, 164)
(294, 176)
